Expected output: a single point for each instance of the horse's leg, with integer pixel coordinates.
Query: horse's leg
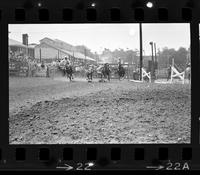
(70, 77)
(67, 75)
(89, 76)
(101, 76)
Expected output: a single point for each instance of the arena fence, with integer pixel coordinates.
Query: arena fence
(25, 70)
(130, 70)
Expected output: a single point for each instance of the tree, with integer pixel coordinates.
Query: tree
(181, 57)
(166, 55)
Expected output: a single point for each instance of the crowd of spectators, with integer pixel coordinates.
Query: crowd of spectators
(19, 62)
(31, 67)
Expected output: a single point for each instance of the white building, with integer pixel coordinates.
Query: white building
(50, 50)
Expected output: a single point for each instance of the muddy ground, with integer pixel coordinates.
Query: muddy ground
(54, 111)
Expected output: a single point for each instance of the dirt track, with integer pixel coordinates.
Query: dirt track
(47, 111)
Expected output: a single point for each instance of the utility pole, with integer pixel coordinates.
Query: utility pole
(141, 51)
(152, 63)
(156, 61)
(155, 52)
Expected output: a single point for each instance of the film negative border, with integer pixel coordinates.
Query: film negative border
(98, 12)
(81, 157)
(97, 157)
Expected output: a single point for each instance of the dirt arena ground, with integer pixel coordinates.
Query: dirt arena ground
(55, 111)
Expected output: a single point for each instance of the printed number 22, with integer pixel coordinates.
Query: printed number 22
(81, 166)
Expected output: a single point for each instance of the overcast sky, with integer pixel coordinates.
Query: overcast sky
(113, 36)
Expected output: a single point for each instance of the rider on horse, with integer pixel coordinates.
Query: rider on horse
(68, 68)
(89, 72)
(121, 70)
(106, 71)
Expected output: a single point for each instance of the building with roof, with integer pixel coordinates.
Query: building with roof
(22, 48)
(50, 50)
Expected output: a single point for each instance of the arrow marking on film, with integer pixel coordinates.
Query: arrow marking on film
(66, 167)
(156, 167)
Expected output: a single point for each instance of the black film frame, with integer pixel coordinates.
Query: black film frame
(112, 156)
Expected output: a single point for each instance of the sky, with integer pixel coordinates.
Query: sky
(112, 36)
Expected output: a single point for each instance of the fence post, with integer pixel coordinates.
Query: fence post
(172, 69)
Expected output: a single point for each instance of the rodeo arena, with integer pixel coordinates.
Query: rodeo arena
(59, 95)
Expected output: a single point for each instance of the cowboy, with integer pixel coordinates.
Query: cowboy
(66, 60)
(119, 61)
(68, 64)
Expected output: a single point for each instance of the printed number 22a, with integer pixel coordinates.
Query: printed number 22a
(177, 166)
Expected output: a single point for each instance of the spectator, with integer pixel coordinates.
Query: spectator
(48, 72)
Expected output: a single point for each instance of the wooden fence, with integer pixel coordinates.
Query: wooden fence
(25, 70)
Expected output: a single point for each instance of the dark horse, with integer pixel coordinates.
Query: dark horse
(106, 72)
(89, 74)
(68, 71)
(121, 71)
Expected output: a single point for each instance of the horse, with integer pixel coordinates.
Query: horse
(69, 71)
(89, 74)
(98, 70)
(121, 72)
(106, 72)
(61, 66)
(103, 72)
